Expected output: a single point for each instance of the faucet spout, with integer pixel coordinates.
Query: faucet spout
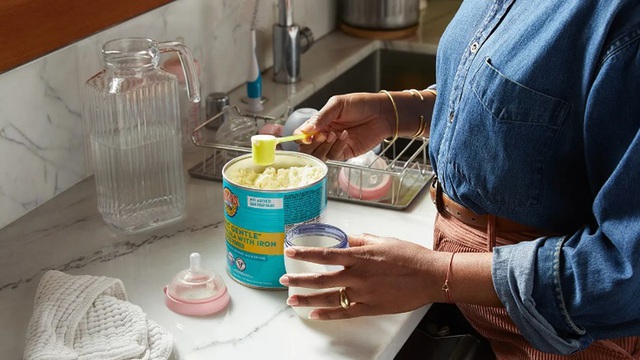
(289, 41)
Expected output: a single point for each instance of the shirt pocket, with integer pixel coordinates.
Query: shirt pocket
(509, 129)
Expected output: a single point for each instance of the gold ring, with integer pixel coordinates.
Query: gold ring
(344, 299)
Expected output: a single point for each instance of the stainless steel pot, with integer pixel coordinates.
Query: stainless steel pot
(380, 14)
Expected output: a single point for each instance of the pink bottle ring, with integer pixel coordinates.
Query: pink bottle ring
(199, 307)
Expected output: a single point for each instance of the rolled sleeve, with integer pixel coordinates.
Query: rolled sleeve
(515, 282)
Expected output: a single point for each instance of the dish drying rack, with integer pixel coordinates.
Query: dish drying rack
(407, 165)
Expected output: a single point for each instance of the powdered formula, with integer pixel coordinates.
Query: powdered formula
(271, 178)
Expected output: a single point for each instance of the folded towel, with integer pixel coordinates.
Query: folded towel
(89, 317)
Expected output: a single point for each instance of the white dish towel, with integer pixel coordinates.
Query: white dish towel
(89, 317)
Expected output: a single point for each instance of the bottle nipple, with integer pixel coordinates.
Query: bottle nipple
(194, 262)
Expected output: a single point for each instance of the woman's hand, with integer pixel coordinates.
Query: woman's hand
(348, 126)
(380, 276)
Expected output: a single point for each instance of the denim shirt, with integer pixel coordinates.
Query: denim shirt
(537, 120)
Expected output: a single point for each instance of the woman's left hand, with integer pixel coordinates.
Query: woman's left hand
(380, 276)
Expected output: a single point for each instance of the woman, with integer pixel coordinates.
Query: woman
(534, 138)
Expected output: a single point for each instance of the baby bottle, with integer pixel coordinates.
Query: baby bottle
(312, 235)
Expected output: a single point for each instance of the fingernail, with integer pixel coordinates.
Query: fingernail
(284, 280)
(290, 251)
(320, 138)
(308, 126)
(344, 135)
(332, 138)
(314, 315)
(292, 301)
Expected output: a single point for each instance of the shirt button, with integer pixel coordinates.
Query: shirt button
(451, 115)
(474, 47)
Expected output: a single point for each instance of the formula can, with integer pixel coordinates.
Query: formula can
(256, 220)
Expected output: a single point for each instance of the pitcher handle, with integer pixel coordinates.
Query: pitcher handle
(188, 66)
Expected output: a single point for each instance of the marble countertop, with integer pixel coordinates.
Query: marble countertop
(68, 234)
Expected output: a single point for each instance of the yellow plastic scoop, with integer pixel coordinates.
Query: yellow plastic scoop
(263, 147)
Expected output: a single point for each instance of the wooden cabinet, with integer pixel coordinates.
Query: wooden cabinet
(32, 28)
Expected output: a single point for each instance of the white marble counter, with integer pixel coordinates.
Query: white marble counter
(256, 321)
(68, 234)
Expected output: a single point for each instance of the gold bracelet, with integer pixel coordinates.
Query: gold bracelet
(414, 92)
(423, 124)
(446, 287)
(421, 128)
(395, 110)
(435, 93)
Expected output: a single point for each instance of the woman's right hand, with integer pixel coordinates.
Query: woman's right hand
(348, 125)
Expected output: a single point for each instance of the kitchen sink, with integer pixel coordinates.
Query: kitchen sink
(383, 69)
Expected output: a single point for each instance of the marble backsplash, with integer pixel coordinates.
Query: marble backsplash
(43, 142)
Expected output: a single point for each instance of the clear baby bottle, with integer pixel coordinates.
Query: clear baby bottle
(132, 108)
(312, 235)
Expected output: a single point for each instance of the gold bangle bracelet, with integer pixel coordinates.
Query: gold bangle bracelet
(435, 93)
(395, 110)
(415, 92)
(421, 128)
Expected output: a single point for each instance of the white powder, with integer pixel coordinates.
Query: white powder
(277, 179)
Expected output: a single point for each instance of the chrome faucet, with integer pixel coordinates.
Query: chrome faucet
(289, 41)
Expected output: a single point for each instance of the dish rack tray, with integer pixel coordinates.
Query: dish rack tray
(407, 166)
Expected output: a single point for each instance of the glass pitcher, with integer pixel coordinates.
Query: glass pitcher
(132, 107)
